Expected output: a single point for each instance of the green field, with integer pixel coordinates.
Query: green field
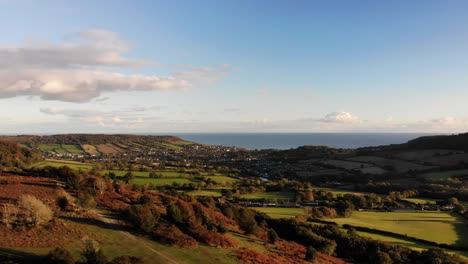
(269, 195)
(73, 149)
(214, 193)
(161, 181)
(440, 227)
(57, 148)
(61, 163)
(421, 200)
(276, 212)
(90, 149)
(222, 179)
(121, 173)
(406, 243)
(337, 192)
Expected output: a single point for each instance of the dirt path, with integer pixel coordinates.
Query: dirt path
(106, 217)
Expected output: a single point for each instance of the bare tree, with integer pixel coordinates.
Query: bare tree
(39, 212)
(101, 185)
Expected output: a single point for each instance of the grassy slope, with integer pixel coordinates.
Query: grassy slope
(115, 243)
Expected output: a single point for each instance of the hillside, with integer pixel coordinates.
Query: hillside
(77, 139)
(95, 144)
(174, 197)
(13, 155)
(455, 142)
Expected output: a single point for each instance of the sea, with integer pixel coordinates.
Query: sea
(294, 140)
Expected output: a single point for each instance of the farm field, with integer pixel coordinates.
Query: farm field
(269, 196)
(60, 163)
(397, 165)
(336, 192)
(444, 227)
(346, 164)
(106, 149)
(449, 160)
(162, 181)
(422, 154)
(90, 149)
(214, 193)
(57, 148)
(406, 243)
(444, 175)
(169, 177)
(277, 212)
(222, 179)
(421, 200)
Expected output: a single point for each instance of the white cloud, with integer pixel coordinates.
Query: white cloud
(79, 85)
(83, 70)
(94, 47)
(341, 118)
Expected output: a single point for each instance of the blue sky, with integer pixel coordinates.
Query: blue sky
(233, 66)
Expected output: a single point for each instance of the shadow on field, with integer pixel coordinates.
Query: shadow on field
(95, 222)
(8, 255)
(462, 233)
(48, 185)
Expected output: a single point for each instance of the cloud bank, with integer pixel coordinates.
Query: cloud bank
(83, 69)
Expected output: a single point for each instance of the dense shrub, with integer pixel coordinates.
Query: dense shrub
(311, 254)
(59, 256)
(62, 202)
(273, 236)
(92, 254)
(86, 201)
(127, 260)
(142, 217)
(174, 213)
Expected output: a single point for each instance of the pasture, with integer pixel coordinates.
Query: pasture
(405, 243)
(337, 192)
(277, 212)
(213, 193)
(169, 177)
(444, 175)
(440, 227)
(90, 149)
(269, 196)
(397, 165)
(61, 163)
(418, 155)
(162, 181)
(346, 164)
(421, 200)
(448, 160)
